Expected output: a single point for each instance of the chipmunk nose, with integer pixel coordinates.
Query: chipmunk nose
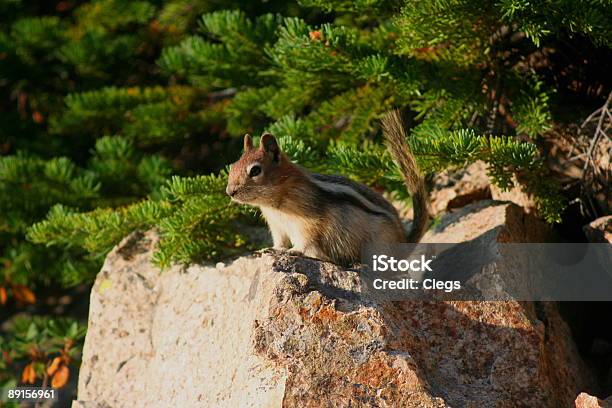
(230, 190)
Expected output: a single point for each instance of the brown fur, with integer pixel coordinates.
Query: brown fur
(325, 217)
(395, 137)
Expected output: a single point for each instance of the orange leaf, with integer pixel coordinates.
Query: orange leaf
(63, 6)
(155, 26)
(424, 50)
(7, 357)
(68, 344)
(29, 374)
(61, 377)
(54, 365)
(2, 295)
(25, 374)
(23, 294)
(34, 352)
(315, 35)
(37, 117)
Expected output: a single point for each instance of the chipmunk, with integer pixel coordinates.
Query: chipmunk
(326, 216)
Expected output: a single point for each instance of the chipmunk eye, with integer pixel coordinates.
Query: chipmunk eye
(254, 171)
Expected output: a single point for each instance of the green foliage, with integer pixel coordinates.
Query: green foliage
(29, 186)
(44, 334)
(323, 88)
(453, 31)
(532, 115)
(192, 216)
(31, 345)
(237, 43)
(347, 5)
(539, 19)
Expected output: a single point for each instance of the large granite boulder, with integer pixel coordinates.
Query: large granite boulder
(272, 330)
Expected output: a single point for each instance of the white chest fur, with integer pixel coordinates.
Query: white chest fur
(291, 226)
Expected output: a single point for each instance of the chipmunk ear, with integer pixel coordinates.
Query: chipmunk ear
(248, 143)
(269, 145)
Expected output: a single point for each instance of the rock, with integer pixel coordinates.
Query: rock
(452, 189)
(585, 400)
(177, 338)
(600, 230)
(489, 220)
(457, 188)
(272, 330)
(516, 195)
(88, 404)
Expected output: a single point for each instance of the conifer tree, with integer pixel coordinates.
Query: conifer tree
(457, 68)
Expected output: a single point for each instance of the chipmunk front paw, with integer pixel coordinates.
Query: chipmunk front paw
(295, 252)
(274, 250)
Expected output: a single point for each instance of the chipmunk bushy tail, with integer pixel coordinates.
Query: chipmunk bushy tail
(395, 138)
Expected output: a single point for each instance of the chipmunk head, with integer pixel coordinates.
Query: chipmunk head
(256, 177)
